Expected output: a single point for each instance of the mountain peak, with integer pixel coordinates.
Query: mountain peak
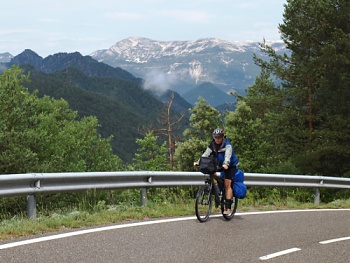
(173, 47)
(227, 64)
(63, 60)
(167, 48)
(5, 57)
(27, 57)
(29, 53)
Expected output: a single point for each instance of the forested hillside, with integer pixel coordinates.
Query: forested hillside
(92, 88)
(45, 135)
(120, 105)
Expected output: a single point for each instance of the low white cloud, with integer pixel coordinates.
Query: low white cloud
(158, 81)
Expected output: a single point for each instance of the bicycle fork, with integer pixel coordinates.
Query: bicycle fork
(206, 199)
(217, 194)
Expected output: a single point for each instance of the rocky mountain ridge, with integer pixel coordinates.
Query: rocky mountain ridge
(182, 66)
(5, 57)
(185, 64)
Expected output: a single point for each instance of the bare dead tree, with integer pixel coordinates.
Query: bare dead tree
(166, 120)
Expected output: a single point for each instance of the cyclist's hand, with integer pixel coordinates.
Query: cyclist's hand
(225, 166)
(195, 164)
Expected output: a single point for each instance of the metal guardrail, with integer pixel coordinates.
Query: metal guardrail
(283, 180)
(38, 183)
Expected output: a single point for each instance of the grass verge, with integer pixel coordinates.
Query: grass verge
(20, 226)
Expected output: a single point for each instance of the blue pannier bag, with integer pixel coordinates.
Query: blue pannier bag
(239, 176)
(239, 190)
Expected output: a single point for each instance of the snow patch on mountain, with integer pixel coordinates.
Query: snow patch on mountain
(228, 64)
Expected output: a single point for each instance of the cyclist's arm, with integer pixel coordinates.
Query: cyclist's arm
(205, 154)
(228, 153)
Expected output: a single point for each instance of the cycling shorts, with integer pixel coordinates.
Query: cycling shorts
(229, 173)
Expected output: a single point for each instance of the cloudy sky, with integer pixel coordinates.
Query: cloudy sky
(49, 27)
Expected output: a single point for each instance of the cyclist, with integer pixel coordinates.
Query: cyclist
(221, 149)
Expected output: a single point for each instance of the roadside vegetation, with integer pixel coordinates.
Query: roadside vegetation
(60, 212)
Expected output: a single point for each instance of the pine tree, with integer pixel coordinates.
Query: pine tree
(150, 156)
(203, 120)
(315, 79)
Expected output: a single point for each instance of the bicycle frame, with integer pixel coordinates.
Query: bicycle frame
(203, 204)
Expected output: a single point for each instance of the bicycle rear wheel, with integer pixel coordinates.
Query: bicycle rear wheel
(233, 208)
(203, 203)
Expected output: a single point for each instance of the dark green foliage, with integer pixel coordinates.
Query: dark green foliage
(203, 120)
(92, 88)
(120, 105)
(45, 135)
(179, 104)
(302, 126)
(150, 156)
(311, 117)
(125, 93)
(11, 206)
(226, 107)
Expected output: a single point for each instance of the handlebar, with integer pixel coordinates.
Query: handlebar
(219, 169)
(213, 176)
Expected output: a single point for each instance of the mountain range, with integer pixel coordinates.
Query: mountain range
(127, 85)
(183, 65)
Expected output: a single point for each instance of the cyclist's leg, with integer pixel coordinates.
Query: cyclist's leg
(228, 194)
(229, 175)
(228, 189)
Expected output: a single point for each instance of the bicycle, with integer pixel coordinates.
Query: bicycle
(204, 199)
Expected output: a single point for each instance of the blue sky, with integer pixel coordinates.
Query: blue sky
(49, 27)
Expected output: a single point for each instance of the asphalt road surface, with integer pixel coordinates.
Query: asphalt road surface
(280, 236)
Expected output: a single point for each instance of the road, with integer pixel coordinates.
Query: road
(280, 236)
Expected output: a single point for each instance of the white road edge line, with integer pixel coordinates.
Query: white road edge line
(93, 230)
(99, 229)
(280, 253)
(334, 240)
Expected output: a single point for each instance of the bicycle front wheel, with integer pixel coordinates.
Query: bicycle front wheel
(203, 203)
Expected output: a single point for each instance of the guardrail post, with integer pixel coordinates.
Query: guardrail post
(317, 196)
(143, 194)
(31, 207)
